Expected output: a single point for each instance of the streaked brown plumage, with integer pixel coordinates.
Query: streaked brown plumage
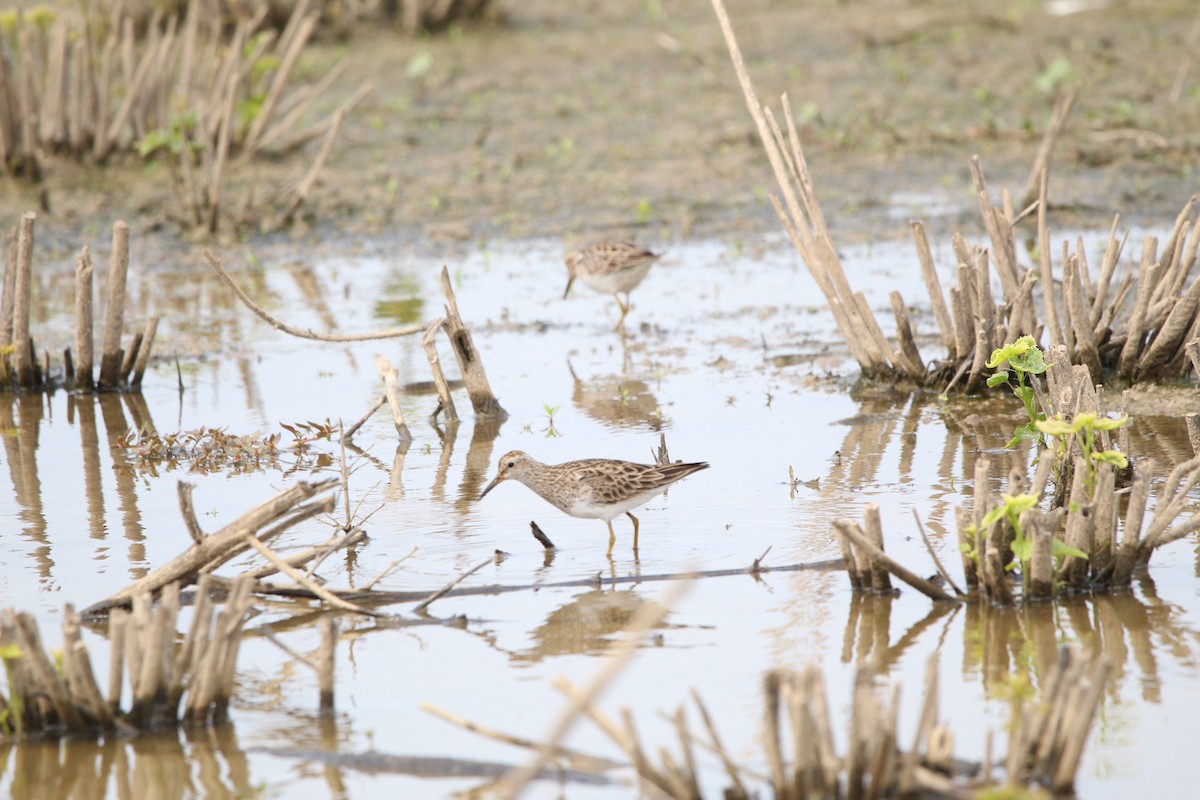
(610, 268)
(592, 488)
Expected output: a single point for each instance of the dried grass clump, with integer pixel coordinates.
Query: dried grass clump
(1046, 740)
(167, 682)
(1131, 323)
(184, 88)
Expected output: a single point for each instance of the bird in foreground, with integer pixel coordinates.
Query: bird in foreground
(610, 268)
(592, 488)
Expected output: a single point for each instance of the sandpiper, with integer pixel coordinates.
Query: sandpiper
(610, 268)
(592, 488)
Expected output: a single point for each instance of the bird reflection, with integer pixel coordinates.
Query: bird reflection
(616, 400)
(587, 625)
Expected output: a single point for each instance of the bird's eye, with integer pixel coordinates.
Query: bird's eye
(511, 464)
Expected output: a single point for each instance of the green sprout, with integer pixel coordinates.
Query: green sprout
(1084, 427)
(550, 430)
(1010, 509)
(1024, 358)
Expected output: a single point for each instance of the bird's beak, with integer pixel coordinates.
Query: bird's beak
(567, 291)
(495, 481)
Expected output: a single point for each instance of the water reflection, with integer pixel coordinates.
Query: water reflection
(1133, 633)
(587, 625)
(21, 423)
(1000, 642)
(617, 401)
(176, 764)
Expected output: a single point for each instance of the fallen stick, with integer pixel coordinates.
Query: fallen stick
(348, 434)
(407, 330)
(420, 607)
(578, 759)
(384, 598)
(917, 582)
(383, 572)
(216, 548)
(937, 562)
(301, 579)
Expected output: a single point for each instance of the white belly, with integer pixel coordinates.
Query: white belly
(586, 509)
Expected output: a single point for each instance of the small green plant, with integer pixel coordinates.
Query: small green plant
(1010, 510)
(13, 713)
(550, 430)
(1058, 73)
(1084, 427)
(418, 65)
(1024, 358)
(643, 212)
(174, 138)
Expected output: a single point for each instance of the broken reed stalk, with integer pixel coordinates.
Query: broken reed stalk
(470, 364)
(110, 354)
(1091, 318)
(118, 370)
(469, 360)
(7, 293)
(22, 290)
(445, 404)
(44, 701)
(84, 334)
(387, 373)
(869, 565)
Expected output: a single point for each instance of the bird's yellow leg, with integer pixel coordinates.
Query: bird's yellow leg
(612, 539)
(635, 529)
(624, 310)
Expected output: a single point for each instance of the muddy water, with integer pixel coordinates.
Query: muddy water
(729, 354)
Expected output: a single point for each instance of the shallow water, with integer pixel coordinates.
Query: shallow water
(729, 355)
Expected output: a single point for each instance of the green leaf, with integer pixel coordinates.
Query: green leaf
(1060, 549)
(1030, 361)
(1110, 424)
(1058, 73)
(1024, 433)
(1114, 457)
(1016, 504)
(1009, 351)
(999, 378)
(992, 516)
(1055, 427)
(1023, 549)
(156, 140)
(419, 64)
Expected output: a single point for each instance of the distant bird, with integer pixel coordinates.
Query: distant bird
(592, 488)
(610, 268)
